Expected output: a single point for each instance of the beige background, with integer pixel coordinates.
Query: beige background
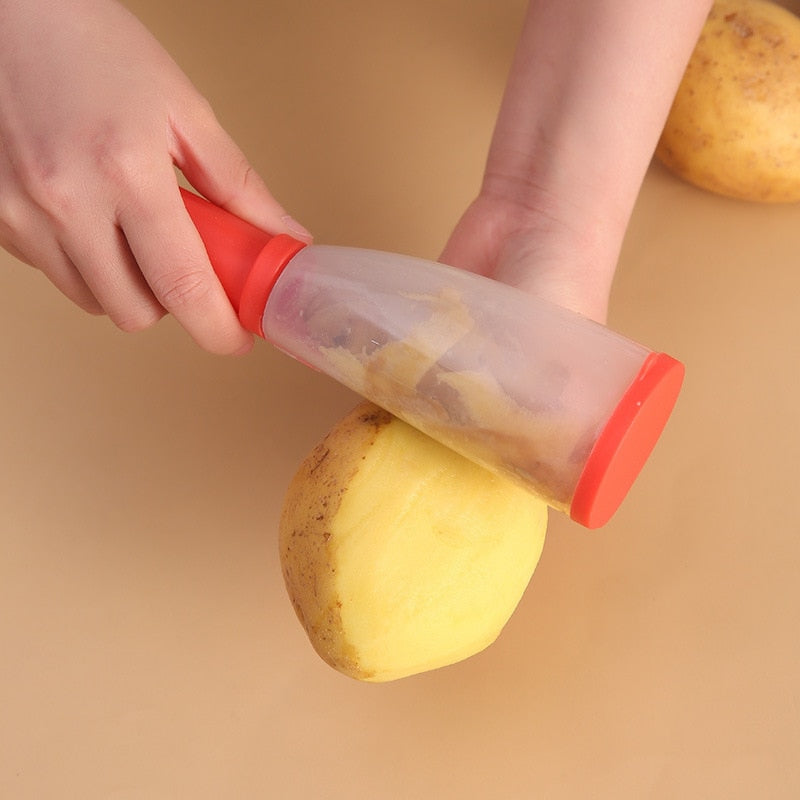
(148, 647)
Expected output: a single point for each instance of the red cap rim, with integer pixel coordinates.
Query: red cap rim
(627, 440)
(266, 270)
(247, 260)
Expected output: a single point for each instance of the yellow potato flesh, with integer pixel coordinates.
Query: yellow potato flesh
(734, 126)
(399, 555)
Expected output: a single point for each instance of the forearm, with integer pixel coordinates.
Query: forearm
(588, 93)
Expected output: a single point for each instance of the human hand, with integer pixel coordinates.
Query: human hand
(537, 252)
(94, 116)
(588, 92)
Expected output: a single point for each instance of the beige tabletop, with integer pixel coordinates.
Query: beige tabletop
(149, 650)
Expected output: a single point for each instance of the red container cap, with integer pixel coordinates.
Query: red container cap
(627, 440)
(247, 260)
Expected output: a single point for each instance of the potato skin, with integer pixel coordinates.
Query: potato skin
(312, 500)
(734, 126)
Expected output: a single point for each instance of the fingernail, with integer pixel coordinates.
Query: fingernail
(295, 228)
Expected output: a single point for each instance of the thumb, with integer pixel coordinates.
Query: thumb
(214, 164)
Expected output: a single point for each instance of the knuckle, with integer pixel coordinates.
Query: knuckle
(54, 194)
(11, 219)
(178, 290)
(90, 306)
(55, 180)
(248, 177)
(242, 179)
(49, 185)
(138, 321)
(122, 166)
(126, 172)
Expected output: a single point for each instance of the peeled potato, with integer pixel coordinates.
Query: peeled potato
(400, 555)
(734, 126)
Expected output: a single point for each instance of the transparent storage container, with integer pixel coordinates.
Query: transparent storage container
(534, 392)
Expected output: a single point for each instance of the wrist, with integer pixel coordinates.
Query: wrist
(585, 102)
(568, 241)
(550, 175)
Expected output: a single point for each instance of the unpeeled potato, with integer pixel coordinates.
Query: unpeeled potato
(399, 555)
(734, 126)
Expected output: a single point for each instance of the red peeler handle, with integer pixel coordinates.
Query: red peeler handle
(246, 259)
